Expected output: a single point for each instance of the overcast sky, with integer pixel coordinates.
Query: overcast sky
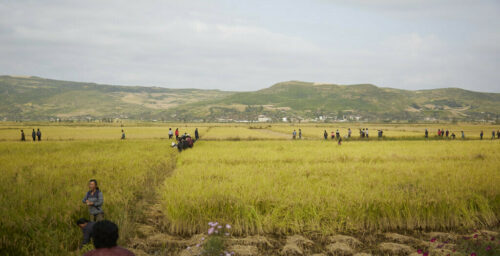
(249, 45)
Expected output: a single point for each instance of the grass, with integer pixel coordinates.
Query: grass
(44, 183)
(310, 186)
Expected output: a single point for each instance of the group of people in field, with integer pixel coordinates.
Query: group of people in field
(492, 134)
(449, 134)
(442, 133)
(363, 133)
(185, 140)
(34, 135)
(102, 233)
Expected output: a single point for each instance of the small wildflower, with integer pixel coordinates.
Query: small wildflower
(426, 254)
(228, 226)
(475, 235)
(203, 238)
(197, 245)
(433, 240)
(473, 254)
(488, 248)
(419, 251)
(210, 230)
(219, 227)
(492, 238)
(189, 247)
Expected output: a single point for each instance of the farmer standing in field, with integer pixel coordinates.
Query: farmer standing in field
(196, 134)
(426, 133)
(366, 132)
(176, 133)
(333, 135)
(481, 135)
(123, 134)
(463, 135)
(325, 134)
(170, 133)
(33, 135)
(498, 134)
(23, 137)
(86, 227)
(300, 134)
(337, 133)
(348, 132)
(94, 200)
(294, 133)
(39, 134)
(493, 134)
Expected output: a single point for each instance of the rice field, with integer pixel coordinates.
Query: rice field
(317, 186)
(250, 175)
(44, 183)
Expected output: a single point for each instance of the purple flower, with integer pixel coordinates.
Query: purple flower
(426, 254)
(433, 240)
(473, 254)
(475, 235)
(419, 251)
(210, 230)
(440, 246)
(488, 248)
(228, 226)
(197, 245)
(219, 227)
(188, 248)
(203, 238)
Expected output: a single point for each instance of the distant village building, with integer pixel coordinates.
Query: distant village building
(284, 119)
(263, 118)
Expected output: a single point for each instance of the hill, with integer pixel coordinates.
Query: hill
(33, 98)
(331, 102)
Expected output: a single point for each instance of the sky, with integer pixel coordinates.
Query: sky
(250, 45)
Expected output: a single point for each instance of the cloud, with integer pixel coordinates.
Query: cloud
(244, 46)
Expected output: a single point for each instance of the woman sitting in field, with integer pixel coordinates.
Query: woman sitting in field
(94, 200)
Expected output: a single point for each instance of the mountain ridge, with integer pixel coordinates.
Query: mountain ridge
(35, 98)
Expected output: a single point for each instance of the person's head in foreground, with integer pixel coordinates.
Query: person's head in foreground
(105, 236)
(82, 222)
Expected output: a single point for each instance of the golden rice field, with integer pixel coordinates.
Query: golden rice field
(317, 186)
(43, 185)
(251, 175)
